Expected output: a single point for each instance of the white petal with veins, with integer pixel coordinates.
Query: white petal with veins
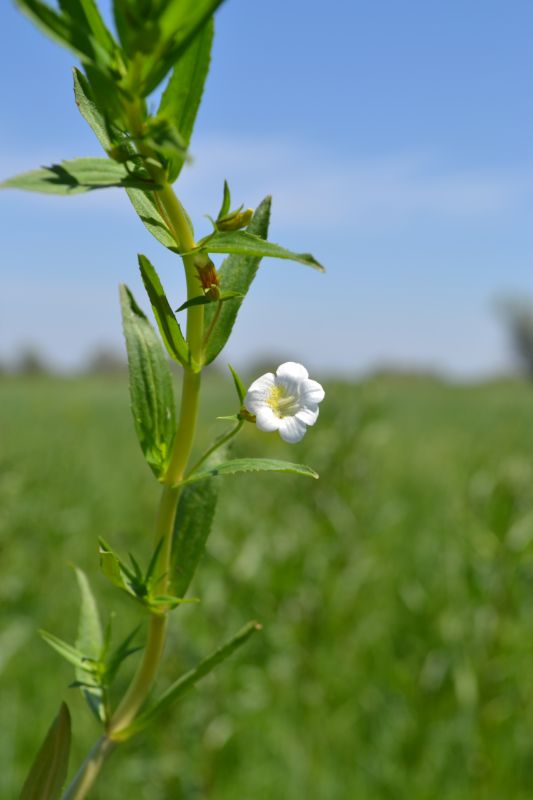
(291, 429)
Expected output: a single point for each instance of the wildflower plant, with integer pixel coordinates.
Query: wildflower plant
(156, 42)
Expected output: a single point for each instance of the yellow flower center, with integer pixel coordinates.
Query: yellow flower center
(281, 403)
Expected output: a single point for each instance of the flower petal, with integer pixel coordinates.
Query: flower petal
(293, 371)
(266, 420)
(259, 392)
(291, 429)
(308, 414)
(311, 392)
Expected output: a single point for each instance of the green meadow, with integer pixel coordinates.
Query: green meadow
(395, 594)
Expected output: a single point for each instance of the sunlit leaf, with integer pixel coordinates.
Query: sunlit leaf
(236, 275)
(152, 395)
(251, 465)
(167, 323)
(181, 98)
(78, 175)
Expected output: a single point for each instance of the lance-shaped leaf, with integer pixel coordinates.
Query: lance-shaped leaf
(90, 642)
(178, 25)
(78, 175)
(194, 517)
(85, 14)
(189, 680)
(68, 32)
(239, 385)
(204, 300)
(152, 395)
(49, 770)
(236, 274)
(250, 465)
(244, 243)
(69, 653)
(143, 202)
(167, 323)
(181, 98)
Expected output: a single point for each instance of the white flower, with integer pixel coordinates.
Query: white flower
(286, 402)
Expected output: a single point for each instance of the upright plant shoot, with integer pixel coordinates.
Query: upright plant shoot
(159, 41)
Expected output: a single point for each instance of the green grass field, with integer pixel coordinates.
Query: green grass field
(396, 594)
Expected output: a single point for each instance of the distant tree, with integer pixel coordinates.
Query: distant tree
(106, 361)
(517, 314)
(30, 362)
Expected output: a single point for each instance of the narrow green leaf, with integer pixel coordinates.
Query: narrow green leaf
(152, 395)
(90, 111)
(203, 300)
(226, 201)
(245, 243)
(190, 679)
(118, 656)
(178, 25)
(194, 517)
(142, 201)
(71, 654)
(112, 567)
(68, 33)
(90, 642)
(239, 385)
(166, 321)
(90, 637)
(181, 99)
(78, 175)
(85, 14)
(251, 465)
(148, 211)
(49, 770)
(236, 274)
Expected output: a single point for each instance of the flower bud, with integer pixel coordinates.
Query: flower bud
(235, 221)
(207, 275)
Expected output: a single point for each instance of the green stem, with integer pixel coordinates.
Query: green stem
(88, 772)
(146, 673)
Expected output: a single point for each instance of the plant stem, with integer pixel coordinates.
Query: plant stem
(87, 773)
(147, 670)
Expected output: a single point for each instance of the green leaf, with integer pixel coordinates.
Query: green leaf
(181, 99)
(152, 395)
(90, 111)
(194, 517)
(245, 243)
(167, 323)
(142, 201)
(120, 654)
(239, 385)
(78, 175)
(85, 14)
(49, 770)
(250, 465)
(148, 211)
(178, 25)
(236, 274)
(203, 300)
(71, 654)
(67, 32)
(112, 568)
(90, 642)
(189, 680)
(226, 201)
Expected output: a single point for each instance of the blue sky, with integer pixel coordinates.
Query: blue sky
(396, 139)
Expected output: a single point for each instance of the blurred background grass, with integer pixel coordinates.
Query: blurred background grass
(396, 593)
